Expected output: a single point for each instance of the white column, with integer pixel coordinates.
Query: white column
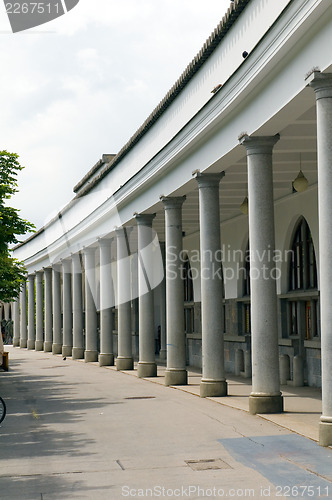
(16, 338)
(124, 360)
(106, 357)
(146, 365)
(6, 311)
(67, 309)
(78, 326)
(31, 312)
(91, 348)
(322, 85)
(213, 381)
(23, 322)
(48, 320)
(39, 311)
(163, 350)
(176, 373)
(57, 335)
(265, 396)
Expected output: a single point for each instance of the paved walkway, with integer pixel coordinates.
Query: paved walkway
(76, 430)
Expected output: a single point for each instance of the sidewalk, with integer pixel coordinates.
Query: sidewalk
(302, 405)
(74, 430)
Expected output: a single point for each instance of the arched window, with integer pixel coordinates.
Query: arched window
(303, 272)
(303, 310)
(188, 293)
(188, 282)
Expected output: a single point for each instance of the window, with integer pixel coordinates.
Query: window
(303, 310)
(188, 290)
(303, 273)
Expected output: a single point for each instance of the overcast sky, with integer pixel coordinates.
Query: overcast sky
(81, 85)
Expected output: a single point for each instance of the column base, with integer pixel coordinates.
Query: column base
(106, 359)
(266, 404)
(47, 346)
(23, 343)
(31, 344)
(162, 354)
(78, 353)
(16, 342)
(145, 370)
(56, 348)
(176, 377)
(124, 364)
(39, 345)
(213, 388)
(90, 356)
(325, 434)
(67, 350)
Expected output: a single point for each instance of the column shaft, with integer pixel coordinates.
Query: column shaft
(106, 357)
(16, 338)
(124, 360)
(91, 343)
(163, 349)
(67, 347)
(265, 396)
(213, 381)
(39, 312)
(146, 365)
(48, 340)
(23, 330)
(176, 373)
(322, 85)
(57, 334)
(78, 326)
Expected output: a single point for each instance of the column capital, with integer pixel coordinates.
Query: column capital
(31, 276)
(208, 180)
(122, 231)
(256, 145)
(321, 83)
(171, 202)
(39, 275)
(105, 242)
(144, 219)
(66, 265)
(89, 250)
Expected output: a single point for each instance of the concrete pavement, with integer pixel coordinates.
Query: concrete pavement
(75, 430)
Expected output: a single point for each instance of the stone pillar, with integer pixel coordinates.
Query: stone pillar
(39, 311)
(322, 85)
(163, 350)
(16, 338)
(6, 311)
(106, 357)
(176, 373)
(23, 331)
(78, 339)
(48, 338)
(91, 347)
(31, 312)
(265, 396)
(57, 337)
(67, 346)
(124, 360)
(147, 364)
(213, 381)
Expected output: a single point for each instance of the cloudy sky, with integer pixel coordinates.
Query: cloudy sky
(81, 85)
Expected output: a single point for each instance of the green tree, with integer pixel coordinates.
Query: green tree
(12, 272)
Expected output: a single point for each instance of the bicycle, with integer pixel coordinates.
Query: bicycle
(2, 410)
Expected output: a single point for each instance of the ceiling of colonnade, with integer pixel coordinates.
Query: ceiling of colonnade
(296, 125)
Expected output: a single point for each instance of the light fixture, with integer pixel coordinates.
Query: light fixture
(245, 206)
(300, 184)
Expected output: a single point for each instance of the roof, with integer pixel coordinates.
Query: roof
(233, 12)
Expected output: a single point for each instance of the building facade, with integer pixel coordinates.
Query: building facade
(207, 238)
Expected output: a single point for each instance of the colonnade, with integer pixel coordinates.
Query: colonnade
(266, 396)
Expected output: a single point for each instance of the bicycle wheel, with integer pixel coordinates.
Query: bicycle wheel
(2, 410)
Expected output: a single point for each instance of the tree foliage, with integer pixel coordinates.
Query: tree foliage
(12, 272)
